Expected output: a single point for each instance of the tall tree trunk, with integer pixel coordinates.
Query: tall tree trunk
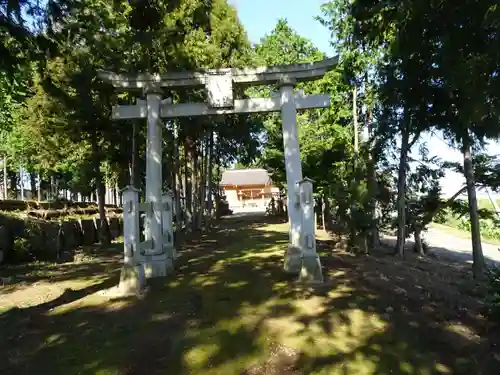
(56, 187)
(5, 186)
(201, 181)
(203, 185)
(326, 213)
(321, 212)
(218, 178)
(374, 236)
(13, 184)
(104, 233)
(21, 182)
(115, 194)
(188, 183)
(209, 177)
(39, 187)
(195, 189)
(403, 161)
(33, 185)
(133, 158)
(419, 248)
(177, 181)
(354, 181)
(477, 251)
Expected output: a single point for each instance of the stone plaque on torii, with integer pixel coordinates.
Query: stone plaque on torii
(220, 84)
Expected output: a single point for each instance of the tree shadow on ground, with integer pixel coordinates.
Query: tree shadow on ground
(90, 263)
(230, 309)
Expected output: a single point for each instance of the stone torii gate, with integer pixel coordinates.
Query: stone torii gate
(301, 257)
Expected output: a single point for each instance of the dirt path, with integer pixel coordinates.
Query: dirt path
(230, 309)
(454, 248)
(447, 244)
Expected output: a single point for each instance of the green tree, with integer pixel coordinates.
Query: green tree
(432, 51)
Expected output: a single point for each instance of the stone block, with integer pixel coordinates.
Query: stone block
(15, 226)
(132, 280)
(157, 265)
(311, 271)
(88, 231)
(34, 234)
(72, 235)
(293, 261)
(50, 238)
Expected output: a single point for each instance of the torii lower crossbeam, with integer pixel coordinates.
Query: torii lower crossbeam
(256, 105)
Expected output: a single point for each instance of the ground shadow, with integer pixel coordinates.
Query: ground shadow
(230, 309)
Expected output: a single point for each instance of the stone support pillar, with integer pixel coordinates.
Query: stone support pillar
(293, 170)
(168, 232)
(311, 266)
(132, 280)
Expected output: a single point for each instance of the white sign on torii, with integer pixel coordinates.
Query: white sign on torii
(219, 84)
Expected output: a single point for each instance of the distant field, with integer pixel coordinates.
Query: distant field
(456, 225)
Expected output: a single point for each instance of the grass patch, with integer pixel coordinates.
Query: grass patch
(456, 225)
(230, 309)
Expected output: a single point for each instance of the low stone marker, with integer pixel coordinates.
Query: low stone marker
(72, 238)
(50, 235)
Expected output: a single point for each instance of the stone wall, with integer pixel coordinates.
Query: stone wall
(36, 239)
(55, 209)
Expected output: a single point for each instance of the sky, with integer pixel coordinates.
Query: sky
(259, 18)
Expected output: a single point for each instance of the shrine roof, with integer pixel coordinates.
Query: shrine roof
(241, 177)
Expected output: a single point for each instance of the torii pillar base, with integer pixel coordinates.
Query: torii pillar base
(132, 281)
(157, 265)
(310, 270)
(293, 260)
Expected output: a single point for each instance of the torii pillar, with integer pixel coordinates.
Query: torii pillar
(219, 84)
(293, 168)
(156, 261)
(153, 165)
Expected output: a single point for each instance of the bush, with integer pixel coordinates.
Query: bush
(487, 226)
(489, 229)
(21, 250)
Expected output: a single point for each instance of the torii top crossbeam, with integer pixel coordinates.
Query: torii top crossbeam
(245, 76)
